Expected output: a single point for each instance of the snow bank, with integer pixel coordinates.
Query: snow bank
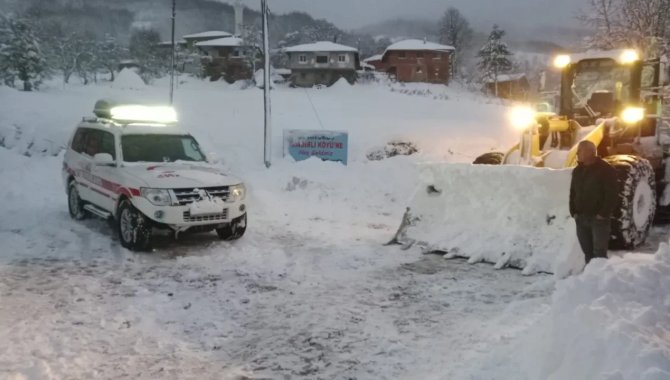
(506, 215)
(612, 323)
(341, 83)
(128, 79)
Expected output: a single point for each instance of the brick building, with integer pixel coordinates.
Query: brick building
(417, 61)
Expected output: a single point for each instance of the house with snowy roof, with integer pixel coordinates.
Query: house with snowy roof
(374, 61)
(229, 58)
(193, 39)
(322, 63)
(509, 86)
(417, 61)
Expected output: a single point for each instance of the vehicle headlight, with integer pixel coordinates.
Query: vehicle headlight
(157, 197)
(632, 115)
(522, 117)
(237, 193)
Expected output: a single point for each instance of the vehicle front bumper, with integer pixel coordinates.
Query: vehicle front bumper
(179, 217)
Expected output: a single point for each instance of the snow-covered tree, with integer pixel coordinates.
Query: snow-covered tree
(455, 31)
(144, 48)
(626, 23)
(109, 54)
(251, 41)
(494, 57)
(20, 54)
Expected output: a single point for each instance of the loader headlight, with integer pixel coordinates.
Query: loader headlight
(157, 197)
(522, 117)
(629, 56)
(237, 193)
(562, 61)
(632, 115)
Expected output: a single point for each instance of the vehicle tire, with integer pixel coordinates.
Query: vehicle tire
(234, 230)
(491, 158)
(134, 228)
(74, 203)
(636, 208)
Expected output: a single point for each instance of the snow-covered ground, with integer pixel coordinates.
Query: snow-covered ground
(311, 291)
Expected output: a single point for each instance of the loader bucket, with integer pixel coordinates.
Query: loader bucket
(511, 216)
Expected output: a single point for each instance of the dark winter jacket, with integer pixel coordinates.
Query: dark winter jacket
(594, 189)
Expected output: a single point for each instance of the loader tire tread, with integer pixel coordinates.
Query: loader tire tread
(632, 172)
(491, 158)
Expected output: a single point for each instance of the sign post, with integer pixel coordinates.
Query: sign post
(266, 85)
(326, 145)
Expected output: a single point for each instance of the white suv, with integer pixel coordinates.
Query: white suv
(134, 164)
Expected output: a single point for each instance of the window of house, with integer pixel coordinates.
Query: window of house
(419, 70)
(302, 59)
(342, 58)
(419, 54)
(437, 56)
(402, 55)
(321, 59)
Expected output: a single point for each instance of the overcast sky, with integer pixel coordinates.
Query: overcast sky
(350, 14)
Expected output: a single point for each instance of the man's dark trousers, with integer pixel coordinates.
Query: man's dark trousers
(594, 235)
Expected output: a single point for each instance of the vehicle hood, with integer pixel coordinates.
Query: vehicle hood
(180, 175)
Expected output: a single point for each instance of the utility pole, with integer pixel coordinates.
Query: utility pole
(266, 85)
(174, 52)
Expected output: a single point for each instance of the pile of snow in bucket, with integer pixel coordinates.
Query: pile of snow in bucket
(128, 79)
(612, 323)
(509, 216)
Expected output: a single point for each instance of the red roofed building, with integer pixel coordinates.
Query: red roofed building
(417, 61)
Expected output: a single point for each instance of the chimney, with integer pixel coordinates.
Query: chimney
(239, 18)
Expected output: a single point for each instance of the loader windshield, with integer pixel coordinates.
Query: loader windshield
(601, 85)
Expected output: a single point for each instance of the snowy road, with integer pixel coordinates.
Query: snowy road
(306, 310)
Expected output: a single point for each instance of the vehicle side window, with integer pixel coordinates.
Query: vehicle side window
(93, 142)
(107, 144)
(78, 140)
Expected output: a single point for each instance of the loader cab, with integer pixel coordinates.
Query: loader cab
(598, 88)
(602, 85)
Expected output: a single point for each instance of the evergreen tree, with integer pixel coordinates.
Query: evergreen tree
(494, 57)
(455, 31)
(7, 75)
(20, 53)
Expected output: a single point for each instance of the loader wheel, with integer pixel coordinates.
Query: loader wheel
(492, 158)
(637, 201)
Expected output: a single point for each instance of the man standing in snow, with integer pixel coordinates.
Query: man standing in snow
(593, 197)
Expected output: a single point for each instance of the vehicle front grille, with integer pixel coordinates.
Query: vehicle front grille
(206, 218)
(190, 195)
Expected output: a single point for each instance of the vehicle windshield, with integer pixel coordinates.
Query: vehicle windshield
(160, 148)
(600, 84)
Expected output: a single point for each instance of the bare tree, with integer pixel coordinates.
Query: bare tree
(627, 23)
(455, 31)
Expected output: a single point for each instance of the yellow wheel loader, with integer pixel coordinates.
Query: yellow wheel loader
(511, 208)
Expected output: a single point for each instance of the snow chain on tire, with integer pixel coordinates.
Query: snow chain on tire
(636, 208)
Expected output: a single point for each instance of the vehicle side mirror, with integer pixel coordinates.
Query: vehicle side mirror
(104, 159)
(214, 158)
